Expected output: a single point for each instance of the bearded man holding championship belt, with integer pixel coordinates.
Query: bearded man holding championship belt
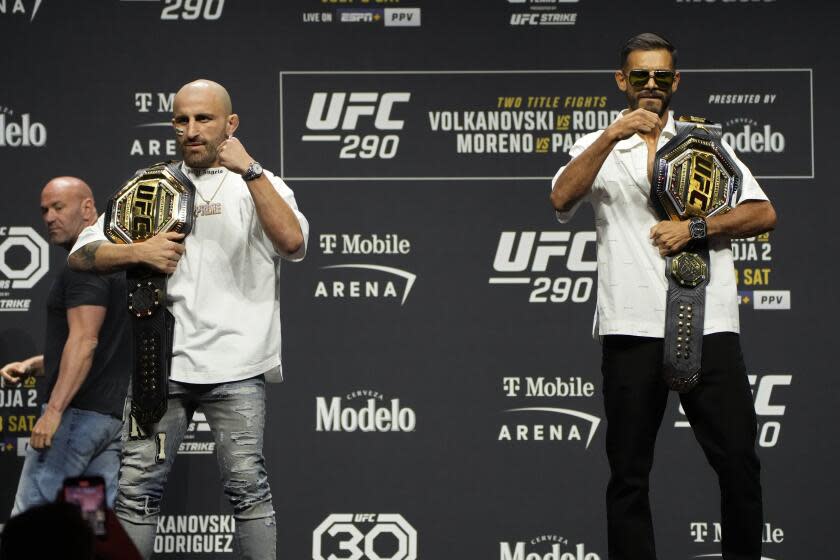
(201, 240)
(668, 197)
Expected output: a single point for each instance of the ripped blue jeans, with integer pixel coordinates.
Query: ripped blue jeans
(236, 414)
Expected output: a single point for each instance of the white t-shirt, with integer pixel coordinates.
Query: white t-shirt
(632, 286)
(225, 293)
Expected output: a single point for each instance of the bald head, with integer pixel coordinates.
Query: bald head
(210, 90)
(67, 207)
(203, 119)
(71, 187)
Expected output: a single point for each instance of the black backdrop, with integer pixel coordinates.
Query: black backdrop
(438, 284)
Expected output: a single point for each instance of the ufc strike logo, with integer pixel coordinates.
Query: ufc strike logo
(39, 256)
(359, 105)
(363, 545)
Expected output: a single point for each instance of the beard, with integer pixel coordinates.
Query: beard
(203, 158)
(654, 100)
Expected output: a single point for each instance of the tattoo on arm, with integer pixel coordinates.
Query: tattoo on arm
(85, 258)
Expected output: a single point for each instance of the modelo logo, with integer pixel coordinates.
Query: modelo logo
(24, 133)
(332, 417)
(755, 139)
(517, 552)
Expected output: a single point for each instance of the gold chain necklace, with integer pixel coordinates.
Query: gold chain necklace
(210, 208)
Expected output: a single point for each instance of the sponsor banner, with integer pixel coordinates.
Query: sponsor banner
(152, 135)
(24, 9)
(19, 410)
(21, 130)
(22, 395)
(194, 535)
(24, 260)
(705, 532)
(548, 410)
(546, 547)
(17, 424)
(769, 396)
(542, 12)
(364, 268)
(402, 17)
(181, 10)
(199, 439)
(364, 15)
(363, 410)
(366, 12)
(753, 259)
(552, 19)
(494, 125)
(767, 116)
(556, 266)
(771, 299)
(364, 536)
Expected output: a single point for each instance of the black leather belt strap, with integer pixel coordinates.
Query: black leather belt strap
(688, 275)
(153, 327)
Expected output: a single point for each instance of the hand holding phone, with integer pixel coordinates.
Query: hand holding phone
(88, 492)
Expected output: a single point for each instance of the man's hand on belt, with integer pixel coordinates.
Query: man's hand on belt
(161, 252)
(669, 237)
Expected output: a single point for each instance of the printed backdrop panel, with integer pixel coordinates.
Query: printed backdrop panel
(443, 391)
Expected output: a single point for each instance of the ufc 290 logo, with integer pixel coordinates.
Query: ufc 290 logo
(192, 10)
(518, 254)
(364, 536)
(333, 114)
(768, 395)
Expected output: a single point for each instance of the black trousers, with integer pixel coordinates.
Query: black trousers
(720, 410)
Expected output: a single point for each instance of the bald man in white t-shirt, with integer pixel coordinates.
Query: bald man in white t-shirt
(224, 295)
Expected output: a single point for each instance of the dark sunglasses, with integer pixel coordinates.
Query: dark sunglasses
(639, 78)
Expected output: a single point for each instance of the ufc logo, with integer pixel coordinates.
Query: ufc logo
(144, 201)
(346, 110)
(521, 255)
(701, 181)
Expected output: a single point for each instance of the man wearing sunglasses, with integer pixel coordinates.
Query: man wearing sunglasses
(612, 170)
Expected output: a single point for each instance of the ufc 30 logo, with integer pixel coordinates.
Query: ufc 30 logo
(340, 538)
(340, 111)
(532, 251)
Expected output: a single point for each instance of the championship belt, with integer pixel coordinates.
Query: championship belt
(693, 177)
(158, 199)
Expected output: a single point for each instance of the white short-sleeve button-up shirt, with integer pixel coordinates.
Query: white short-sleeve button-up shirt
(632, 286)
